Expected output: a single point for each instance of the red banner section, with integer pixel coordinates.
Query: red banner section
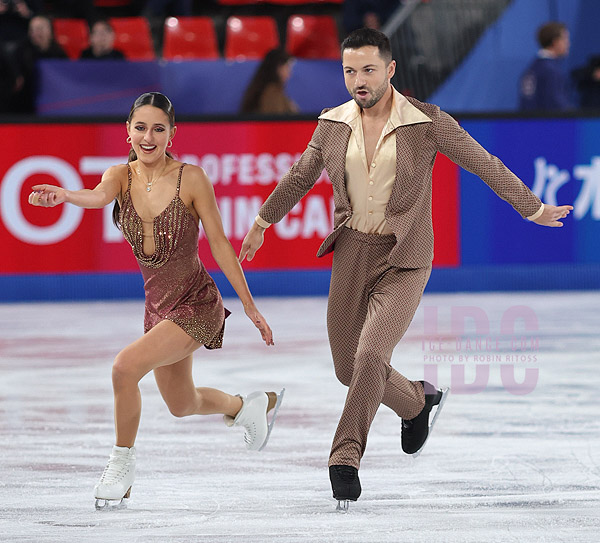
(243, 160)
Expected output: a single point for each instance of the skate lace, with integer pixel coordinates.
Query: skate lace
(115, 470)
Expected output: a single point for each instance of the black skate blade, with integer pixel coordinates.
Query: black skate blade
(439, 406)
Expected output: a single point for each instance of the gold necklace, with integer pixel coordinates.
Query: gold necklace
(150, 183)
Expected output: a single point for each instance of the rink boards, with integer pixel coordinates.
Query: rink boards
(480, 243)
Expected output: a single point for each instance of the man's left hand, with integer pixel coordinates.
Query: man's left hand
(551, 215)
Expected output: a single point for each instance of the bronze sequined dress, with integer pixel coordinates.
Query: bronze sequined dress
(178, 287)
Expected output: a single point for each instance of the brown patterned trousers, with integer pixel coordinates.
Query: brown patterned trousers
(370, 307)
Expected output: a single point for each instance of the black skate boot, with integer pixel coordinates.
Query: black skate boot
(416, 431)
(345, 485)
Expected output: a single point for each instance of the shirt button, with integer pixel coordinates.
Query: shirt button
(370, 182)
(373, 165)
(370, 197)
(370, 213)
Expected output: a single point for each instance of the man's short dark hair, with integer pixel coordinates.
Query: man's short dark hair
(368, 36)
(549, 32)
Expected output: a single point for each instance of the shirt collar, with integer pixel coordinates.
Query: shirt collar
(403, 113)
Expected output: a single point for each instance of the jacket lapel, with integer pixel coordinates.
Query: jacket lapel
(335, 147)
(409, 143)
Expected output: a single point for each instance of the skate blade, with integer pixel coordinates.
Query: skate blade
(342, 506)
(112, 505)
(443, 399)
(275, 408)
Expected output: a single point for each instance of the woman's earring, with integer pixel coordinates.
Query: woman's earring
(170, 144)
(128, 139)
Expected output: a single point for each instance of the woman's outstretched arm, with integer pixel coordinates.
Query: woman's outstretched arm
(103, 194)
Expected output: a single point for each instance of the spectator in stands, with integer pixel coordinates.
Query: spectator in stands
(544, 85)
(8, 81)
(367, 13)
(266, 91)
(38, 45)
(14, 18)
(102, 41)
(587, 80)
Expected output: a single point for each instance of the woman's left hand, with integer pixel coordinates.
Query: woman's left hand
(260, 322)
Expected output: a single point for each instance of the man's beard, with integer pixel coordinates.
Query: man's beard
(376, 95)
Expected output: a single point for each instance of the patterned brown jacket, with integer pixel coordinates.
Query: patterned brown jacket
(408, 212)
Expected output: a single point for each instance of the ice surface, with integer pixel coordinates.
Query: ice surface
(500, 466)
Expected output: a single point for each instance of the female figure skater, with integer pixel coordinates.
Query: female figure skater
(159, 202)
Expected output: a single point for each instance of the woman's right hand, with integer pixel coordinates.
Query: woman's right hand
(47, 195)
(252, 243)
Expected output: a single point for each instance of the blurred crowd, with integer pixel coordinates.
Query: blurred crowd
(26, 36)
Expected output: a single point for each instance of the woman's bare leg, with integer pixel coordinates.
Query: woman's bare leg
(166, 344)
(176, 385)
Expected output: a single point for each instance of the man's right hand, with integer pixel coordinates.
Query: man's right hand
(252, 242)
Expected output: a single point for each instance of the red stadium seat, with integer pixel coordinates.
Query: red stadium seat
(72, 35)
(250, 37)
(190, 38)
(133, 38)
(313, 36)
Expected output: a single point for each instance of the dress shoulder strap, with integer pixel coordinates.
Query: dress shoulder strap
(179, 178)
(128, 177)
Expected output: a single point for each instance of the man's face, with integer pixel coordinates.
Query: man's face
(102, 38)
(40, 32)
(562, 45)
(366, 74)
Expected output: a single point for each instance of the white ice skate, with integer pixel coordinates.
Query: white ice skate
(115, 484)
(254, 417)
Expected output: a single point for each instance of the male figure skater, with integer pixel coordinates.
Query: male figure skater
(379, 150)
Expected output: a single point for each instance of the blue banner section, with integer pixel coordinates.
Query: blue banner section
(560, 161)
(195, 87)
(488, 78)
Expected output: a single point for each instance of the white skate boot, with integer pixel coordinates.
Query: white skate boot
(115, 483)
(253, 416)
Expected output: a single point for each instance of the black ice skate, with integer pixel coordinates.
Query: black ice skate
(415, 432)
(345, 485)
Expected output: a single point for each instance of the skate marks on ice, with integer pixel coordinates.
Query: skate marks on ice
(498, 466)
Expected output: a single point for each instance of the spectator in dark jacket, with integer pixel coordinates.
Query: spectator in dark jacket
(544, 85)
(14, 18)
(102, 41)
(588, 83)
(38, 45)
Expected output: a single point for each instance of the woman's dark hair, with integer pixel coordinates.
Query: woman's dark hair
(369, 36)
(155, 99)
(266, 73)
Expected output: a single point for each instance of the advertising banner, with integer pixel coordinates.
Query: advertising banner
(243, 160)
(559, 159)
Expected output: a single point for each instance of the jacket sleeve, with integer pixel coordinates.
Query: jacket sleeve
(454, 142)
(301, 177)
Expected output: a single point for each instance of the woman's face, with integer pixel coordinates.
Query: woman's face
(285, 71)
(150, 133)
